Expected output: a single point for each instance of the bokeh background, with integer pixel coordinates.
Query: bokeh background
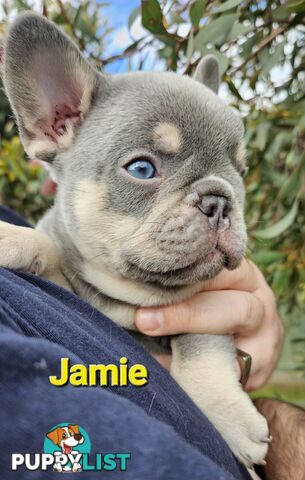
(261, 49)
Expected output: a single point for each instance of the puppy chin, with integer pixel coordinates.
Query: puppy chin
(201, 270)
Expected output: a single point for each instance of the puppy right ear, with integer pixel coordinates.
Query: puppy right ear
(207, 72)
(74, 428)
(49, 83)
(53, 436)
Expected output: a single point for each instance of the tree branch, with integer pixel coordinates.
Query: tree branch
(266, 41)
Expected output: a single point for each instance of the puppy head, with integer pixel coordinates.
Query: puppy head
(148, 165)
(66, 437)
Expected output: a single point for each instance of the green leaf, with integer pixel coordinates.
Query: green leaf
(133, 16)
(166, 52)
(293, 184)
(196, 11)
(279, 142)
(132, 47)
(262, 135)
(175, 17)
(301, 121)
(280, 227)
(215, 30)
(152, 17)
(233, 89)
(293, 158)
(266, 257)
(273, 59)
(281, 281)
(281, 13)
(190, 47)
(228, 5)
(296, 5)
(59, 19)
(21, 5)
(239, 29)
(76, 18)
(249, 44)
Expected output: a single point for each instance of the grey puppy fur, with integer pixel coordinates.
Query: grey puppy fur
(120, 241)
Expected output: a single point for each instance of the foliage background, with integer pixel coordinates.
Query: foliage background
(261, 49)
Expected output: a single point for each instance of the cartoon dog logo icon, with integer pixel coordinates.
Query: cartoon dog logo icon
(67, 438)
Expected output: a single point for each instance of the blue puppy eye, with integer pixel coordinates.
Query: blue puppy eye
(142, 169)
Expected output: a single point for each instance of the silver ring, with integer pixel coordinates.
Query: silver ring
(244, 361)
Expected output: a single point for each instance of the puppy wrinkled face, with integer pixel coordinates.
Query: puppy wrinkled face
(152, 187)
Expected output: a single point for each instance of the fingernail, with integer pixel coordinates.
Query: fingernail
(149, 319)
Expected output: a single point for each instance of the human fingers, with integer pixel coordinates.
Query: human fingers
(247, 277)
(215, 312)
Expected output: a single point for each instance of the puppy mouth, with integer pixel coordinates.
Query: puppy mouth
(176, 271)
(67, 449)
(218, 253)
(203, 268)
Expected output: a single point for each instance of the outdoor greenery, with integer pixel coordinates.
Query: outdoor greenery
(261, 49)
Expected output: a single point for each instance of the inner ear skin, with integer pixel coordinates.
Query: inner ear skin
(59, 91)
(49, 83)
(56, 124)
(62, 114)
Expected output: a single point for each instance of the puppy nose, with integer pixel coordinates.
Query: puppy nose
(78, 436)
(216, 208)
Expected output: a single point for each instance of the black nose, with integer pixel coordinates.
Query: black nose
(217, 210)
(78, 436)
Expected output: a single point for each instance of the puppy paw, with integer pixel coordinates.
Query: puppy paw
(29, 250)
(22, 248)
(76, 468)
(246, 432)
(210, 377)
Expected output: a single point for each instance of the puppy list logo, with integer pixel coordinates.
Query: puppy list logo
(66, 449)
(67, 443)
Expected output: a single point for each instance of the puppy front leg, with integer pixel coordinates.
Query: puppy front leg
(204, 366)
(29, 250)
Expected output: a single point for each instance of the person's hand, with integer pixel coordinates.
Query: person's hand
(236, 302)
(48, 187)
(286, 454)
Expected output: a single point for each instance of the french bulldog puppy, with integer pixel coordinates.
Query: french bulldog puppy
(149, 203)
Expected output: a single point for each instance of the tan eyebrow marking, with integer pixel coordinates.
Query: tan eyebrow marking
(166, 138)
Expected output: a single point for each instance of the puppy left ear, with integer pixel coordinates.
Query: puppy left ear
(53, 436)
(207, 72)
(49, 83)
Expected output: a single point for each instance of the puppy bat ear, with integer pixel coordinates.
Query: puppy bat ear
(53, 436)
(49, 83)
(207, 72)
